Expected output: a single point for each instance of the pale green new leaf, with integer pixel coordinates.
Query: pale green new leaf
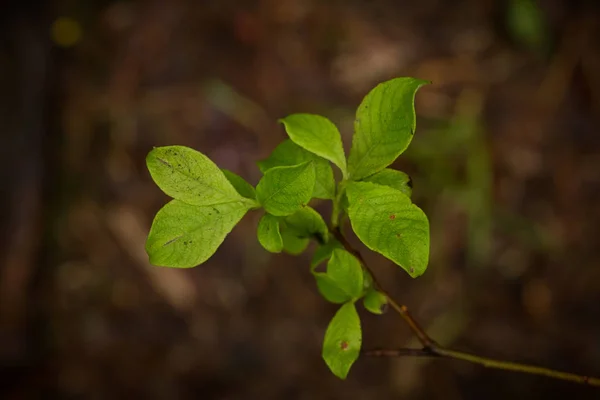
(384, 126)
(392, 178)
(288, 153)
(243, 188)
(284, 190)
(188, 175)
(375, 301)
(268, 233)
(183, 235)
(343, 339)
(318, 135)
(386, 221)
(307, 223)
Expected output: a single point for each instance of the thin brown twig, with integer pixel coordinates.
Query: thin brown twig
(401, 309)
(432, 349)
(403, 352)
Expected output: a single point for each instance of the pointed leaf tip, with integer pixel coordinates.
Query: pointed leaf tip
(318, 135)
(384, 126)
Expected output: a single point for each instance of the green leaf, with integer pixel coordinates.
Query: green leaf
(183, 235)
(318, 135)
(386, 221)
(292, 244)
(394, 179)
(288, 153)
(375, 301)
(284, 190)
(384, 126)
(268, 233)
(343, 339)
(330, 290)
(343, 280)
(345, 270)
(307, 223)
(324, 252)
(241, 186)
(188, 175)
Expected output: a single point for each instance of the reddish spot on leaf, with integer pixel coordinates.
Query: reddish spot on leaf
(398, 235)
(393, 216)
(344, 345)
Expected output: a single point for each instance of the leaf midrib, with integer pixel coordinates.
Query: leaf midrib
(222, 215)
(285, 186)
(201, 183)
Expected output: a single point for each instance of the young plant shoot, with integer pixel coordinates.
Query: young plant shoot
(208, 202)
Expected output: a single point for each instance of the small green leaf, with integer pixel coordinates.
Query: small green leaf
(183, 235)
(307, 223)
(384, 126)
(343, 339)
(386, 221)
(188, 175)
(343, 280)
(284, 190)
(375, 301)
(330, 290)
(345, 270)
(292, 244)
(318, 135)
(243, 188)
(268, 233)
(289, 153)
(323, 252)
(394, 179)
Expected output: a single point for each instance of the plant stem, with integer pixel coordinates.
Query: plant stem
(335, 214)
(401, 309)
(432, 349)
(441, 352)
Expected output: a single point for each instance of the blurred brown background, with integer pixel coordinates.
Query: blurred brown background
(505, 162)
